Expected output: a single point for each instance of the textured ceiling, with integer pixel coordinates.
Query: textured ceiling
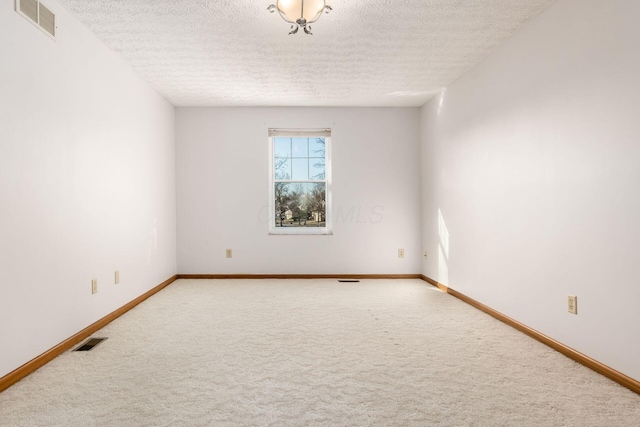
(364, 53)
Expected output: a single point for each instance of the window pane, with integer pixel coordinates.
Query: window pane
(300, 204)
(300, 169)
(316, 147)
(282, 168)
(282, 147)
(316, 170)
(300, 147)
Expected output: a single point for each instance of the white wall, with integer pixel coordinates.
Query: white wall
(533, 160)
(87, 184)
(223, 192)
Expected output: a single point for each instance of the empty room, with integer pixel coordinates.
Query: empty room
(319, 213)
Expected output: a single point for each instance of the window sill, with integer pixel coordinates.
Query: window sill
(290, 231)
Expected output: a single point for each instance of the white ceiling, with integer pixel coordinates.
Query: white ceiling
(364, 53)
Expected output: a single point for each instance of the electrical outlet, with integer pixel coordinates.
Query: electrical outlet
(229, 253)
(400, 253)
(117, 277)
(572, 304)
(94, 286)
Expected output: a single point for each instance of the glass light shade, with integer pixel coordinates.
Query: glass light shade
(293, 10)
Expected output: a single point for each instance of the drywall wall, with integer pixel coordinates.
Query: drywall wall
(530, 168)
(87, 184)
(223, 192)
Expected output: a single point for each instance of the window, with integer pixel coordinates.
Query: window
(300, 189)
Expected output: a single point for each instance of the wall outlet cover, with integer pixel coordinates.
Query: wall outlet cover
(572, 304)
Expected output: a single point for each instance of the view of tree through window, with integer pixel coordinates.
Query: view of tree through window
(300, 187)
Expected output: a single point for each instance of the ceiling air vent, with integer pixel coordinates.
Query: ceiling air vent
(39, 15)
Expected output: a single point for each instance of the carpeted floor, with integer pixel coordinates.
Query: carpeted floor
(314, 353)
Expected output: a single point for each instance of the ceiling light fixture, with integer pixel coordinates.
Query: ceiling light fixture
(300, 13)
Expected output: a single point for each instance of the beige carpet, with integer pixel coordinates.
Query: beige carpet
(314, 353)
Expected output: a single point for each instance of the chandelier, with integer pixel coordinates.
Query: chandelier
(300, 13)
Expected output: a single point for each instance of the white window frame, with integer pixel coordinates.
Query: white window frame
(300, 133)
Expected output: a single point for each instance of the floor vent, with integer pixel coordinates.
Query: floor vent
(39, 15)
(90, 344)
(349, 281)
